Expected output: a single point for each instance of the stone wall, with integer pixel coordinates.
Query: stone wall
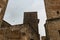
(52, 25)
(43, 37)
(3, 5)
(52, 8)
(53, 29)
(18, 32)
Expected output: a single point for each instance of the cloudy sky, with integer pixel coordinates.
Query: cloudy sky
(15, 12)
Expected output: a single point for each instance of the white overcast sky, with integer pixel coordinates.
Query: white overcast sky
(16, 8)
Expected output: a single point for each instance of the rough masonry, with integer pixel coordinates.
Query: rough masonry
(52, 25)
(3, 5)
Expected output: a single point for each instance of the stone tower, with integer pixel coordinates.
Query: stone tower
(31, 19)
(52, 25)
(3, 5)
(26, 31)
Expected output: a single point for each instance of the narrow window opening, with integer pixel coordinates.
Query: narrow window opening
(31, 39)
(59, 32)
(57, 12)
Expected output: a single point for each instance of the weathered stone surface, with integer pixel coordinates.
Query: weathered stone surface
(18, 32)
(53, 29)
(52, 8)
(3, 5)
